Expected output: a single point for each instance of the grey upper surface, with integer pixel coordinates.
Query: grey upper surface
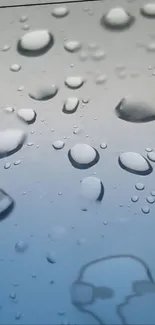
(45, 186)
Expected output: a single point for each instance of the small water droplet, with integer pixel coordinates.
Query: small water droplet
(26, 27)
(150, 47)
(117, 18)
(92, 188)
(6, 47)
(17, 162)
(60, 12)
(71, 105)
(28, 115)
(151, 156)
(145, 209)
(43, 92)
(85, 100)
(58, 144)
(7, 165)
(83, 156)
(135, 198)
(23, 19)
(18, 316)
(21, 246)
(83, 56)
(148, 149)
(29, 144)
(139, 186)
(51, 257)
(9, 109)
(74, 82)
(20, 88)
(101, 79)
(134, 163)
(148, 10)
(103, 145)
(12, 296)
(98, 55)
(150, 199)
(72, 46)
(15, 67)
(35, 43)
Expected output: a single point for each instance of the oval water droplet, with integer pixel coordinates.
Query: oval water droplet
(117, 18)
(26, 27)
(7, 165)
(148, 10)
(151, 156)
(21, 246)
(6, 47)
(60, 12)
(134, 163)
(11, 140)
(51, 257)
(17, 162)
(35, 43)
(134, 198)
(150, 199)
(27, 114)
(145, 209)
(74, 82)
(43, 92)
(72, 46)
(92, 188)
(83, 156)
(58, 144)
(71, 105)
(137, 111)
(9, 109)
(6, 204)
(15, 67)
(139, 186)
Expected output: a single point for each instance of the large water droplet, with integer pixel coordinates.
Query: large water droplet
(74, 82)
(60, 12)
(6, 204)
(117, 18)
(15, 67)
(92, 188)
(83, 156)
(21, 246)
(151, 156)
(43, 92)
(27, 114)
(148, 10)
(72, 46)
(35, 43)
(11, 140)
(133, 110)
(134, 163)
(71, 105)
(58, 144)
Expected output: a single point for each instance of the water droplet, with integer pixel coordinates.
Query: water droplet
(101, 79)
(77, 131)
(150, 47)
(50, 257)
(7, 165)
(60, 12)
(145, 209)
(133, 110)
(43, 92)
(6, 47)
(148, 10)
(92, 188)
(72, 46)
(17, 162)
(134, 163)
(139, 186)
(15, 67)
(35, 43)
(30, 144)
(20, 88)
(11, 140)
(26, 27)
(12, 296)
(83, 156)
(150, 199)
(134, 198)
(18, 316)
(85, 100)
(9, 109)
(103, 145)
(23, 19)
(74, 82)
(58, 144)
(151, 156)
(117, 18)
(21, 246)
(98, 55)
(27, 114)
(148, 149)
(83, 56)
(71, 105)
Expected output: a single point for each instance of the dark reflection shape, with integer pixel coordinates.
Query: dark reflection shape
(8, 208)
(35, 53)
(136, 172)
(29, 122)
(44, 96)
(76, 87)
(100, 197)
(70, 111)
(104, 23)
(11, 152)
(83, 166)
(144, 14)
(143, 287)
(134, 115)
